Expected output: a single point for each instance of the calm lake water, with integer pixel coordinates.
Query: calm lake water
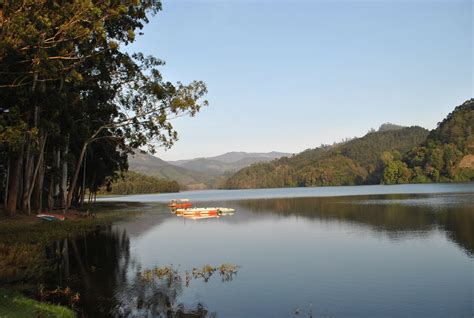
(375, 251)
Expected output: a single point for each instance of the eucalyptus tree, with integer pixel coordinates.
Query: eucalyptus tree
(68, 92)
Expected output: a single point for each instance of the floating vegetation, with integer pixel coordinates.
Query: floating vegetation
(159, 288)
(205, 273)
(172, 275)
(63, 296)
(167, 273)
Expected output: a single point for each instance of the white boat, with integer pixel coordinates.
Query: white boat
(225, 211)
(205, 211)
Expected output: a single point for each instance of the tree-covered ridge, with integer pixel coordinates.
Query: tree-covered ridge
(439, 158)
(351, 162)
(457, 128)
(136, 183)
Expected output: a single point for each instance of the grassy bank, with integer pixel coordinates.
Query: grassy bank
(13, 305)
(34, 230)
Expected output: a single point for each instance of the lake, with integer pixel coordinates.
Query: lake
(368, 251)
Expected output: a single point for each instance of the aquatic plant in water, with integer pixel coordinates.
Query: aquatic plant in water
(226, 272)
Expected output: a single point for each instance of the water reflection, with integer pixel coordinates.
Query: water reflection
(98, 266)
(292, 251)
(394, 215)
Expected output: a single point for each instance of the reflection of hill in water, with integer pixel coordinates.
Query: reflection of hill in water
(396, 215)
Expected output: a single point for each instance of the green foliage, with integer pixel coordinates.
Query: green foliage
(351, 162)
(456, 128)
(14, 305)
(66, 84)
(394, 170)
(438, 158)
(137, 183)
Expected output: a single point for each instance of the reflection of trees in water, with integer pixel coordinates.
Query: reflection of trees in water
(156, 298)
(392, 218)
(459, 226)
(98, 266)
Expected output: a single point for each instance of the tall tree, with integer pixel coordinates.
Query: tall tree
(68, 92)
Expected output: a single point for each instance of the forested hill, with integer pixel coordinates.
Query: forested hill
(447, 155)
(348, 163)
(136, 183)
(152, 166)
(390, 155)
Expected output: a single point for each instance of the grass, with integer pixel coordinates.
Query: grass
(13, 305)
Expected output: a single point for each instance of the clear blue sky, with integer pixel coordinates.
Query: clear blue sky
(290, 75)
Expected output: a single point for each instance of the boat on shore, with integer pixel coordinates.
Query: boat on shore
(51, 217)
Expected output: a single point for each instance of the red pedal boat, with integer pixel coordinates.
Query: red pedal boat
(180, 204)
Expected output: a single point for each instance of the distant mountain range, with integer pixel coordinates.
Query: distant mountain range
(198, 173)
(227, 163)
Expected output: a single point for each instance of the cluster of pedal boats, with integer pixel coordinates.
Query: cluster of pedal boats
(184, 208)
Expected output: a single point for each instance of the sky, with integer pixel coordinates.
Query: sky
(288, 75)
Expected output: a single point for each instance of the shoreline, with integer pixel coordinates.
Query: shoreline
(22, 256)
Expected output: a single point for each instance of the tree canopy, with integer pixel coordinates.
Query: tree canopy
(136, 183)
(73, 104)
(438, 158)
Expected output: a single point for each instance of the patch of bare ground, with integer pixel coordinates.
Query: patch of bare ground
(467, 162)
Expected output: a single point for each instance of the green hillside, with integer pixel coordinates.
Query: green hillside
(349, 163)
(152, 166)
(391, 155)
(447, 155)
(137, 183)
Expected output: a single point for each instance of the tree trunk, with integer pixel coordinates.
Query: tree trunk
(35, 174)
(83, 192)
(57, 167)
(63, 185)
(72, 187)
(14, 182)
(6, 184)
(36, 202)
(50, 195)
(30, 156)
(28, 174)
